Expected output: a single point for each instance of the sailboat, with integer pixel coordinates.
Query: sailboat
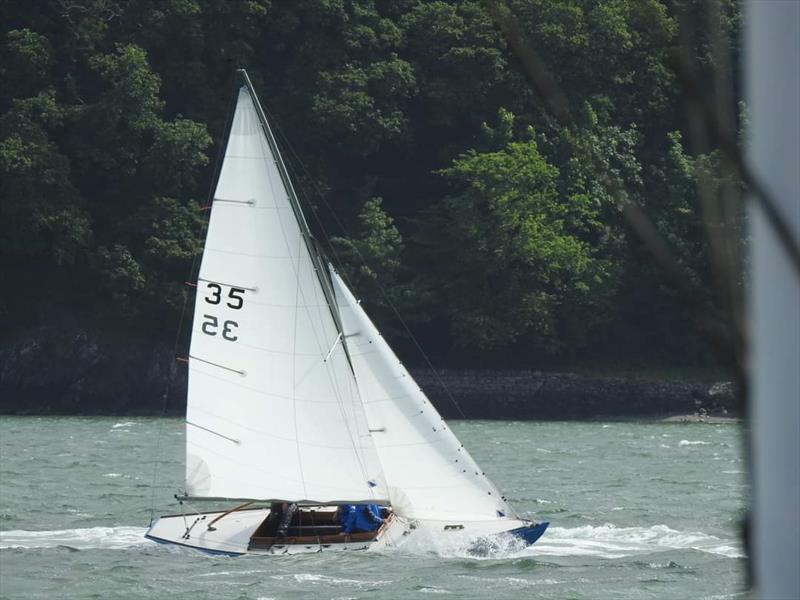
(294, 397)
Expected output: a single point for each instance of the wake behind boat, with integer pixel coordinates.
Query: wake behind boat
(296, 404)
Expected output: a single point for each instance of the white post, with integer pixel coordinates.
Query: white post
(772, 74)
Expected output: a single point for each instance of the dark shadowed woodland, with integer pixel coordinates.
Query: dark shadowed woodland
(477, 169)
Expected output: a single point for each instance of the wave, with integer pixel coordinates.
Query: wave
(110, 538)
(608, 541)
(693, 443)
(604, 541)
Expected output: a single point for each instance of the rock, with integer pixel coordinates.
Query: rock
(535, 395)
(62, 367)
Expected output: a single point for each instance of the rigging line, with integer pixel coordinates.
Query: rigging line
(355, 443)
(320, 268)
(297, 293)
(338, 221)
(356, 403)
(196, 255)
(357, 449)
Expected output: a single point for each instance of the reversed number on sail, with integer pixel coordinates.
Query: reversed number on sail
(211, 327)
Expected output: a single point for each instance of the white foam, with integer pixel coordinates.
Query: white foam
(123, 424)
(693, 443)
(603, 541)
(327, 580)
(111, 538)
(608, 541)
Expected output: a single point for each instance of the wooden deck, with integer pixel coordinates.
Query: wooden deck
(314, 528)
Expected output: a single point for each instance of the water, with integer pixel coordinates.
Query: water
(638, 510)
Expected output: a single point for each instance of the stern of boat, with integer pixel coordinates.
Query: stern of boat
(229, 535)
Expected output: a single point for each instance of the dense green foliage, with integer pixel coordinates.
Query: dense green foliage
(494, 230)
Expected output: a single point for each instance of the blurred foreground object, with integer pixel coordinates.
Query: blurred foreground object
(772, 63)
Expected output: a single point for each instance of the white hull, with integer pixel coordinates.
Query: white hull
(231, 534)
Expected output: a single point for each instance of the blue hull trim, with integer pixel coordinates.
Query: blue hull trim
(530, 534)
(204, 550)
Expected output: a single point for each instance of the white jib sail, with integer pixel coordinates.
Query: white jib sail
(273, 410)
(429, 472)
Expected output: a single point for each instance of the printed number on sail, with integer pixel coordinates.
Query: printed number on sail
(211, 327)
(234, 294)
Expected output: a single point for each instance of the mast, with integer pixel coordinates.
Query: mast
(310, 242)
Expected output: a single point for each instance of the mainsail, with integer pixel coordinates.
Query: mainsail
(273, 408)
(429, 472)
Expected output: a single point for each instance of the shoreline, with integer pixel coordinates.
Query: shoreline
(681, 419)
(546, 396)
(87, 376)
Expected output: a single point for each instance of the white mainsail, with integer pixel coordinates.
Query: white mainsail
(429, 472)
(273, 408)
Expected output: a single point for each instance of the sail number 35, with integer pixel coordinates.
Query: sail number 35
(211, 327)
(235, 300)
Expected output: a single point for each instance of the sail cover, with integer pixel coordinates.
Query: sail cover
(273, 409)
(429, 472)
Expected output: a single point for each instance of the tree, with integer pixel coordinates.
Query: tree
(508, 252)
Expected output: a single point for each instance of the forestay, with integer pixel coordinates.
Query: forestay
(429, 472)
(273, 410)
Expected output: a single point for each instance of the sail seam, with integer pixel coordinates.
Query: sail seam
(300, 222)
(318, 263)
(263, 393)
(235, 253)
(268, 434)
(267, 350)
(257, 466)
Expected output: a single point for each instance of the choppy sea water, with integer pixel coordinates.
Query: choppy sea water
(637, 510)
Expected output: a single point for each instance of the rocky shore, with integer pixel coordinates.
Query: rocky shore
(534, 395)
(59, 369)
